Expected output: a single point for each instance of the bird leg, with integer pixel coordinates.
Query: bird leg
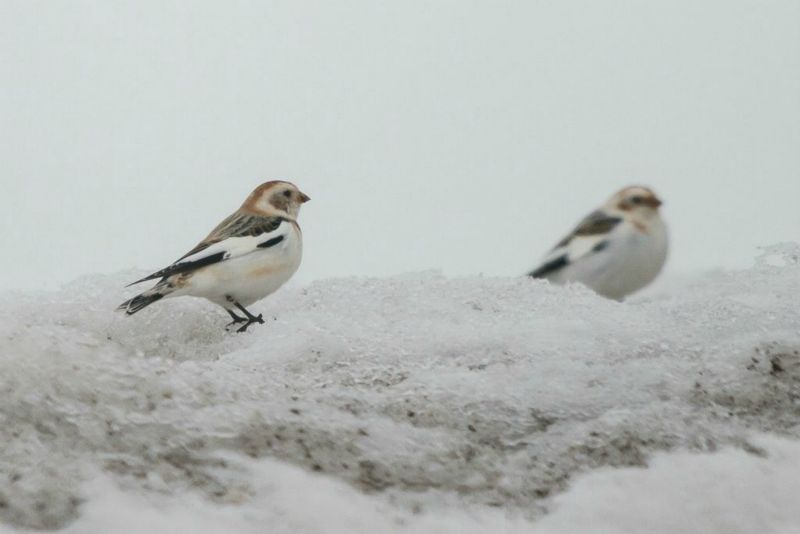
(236, 319)
(250, 317)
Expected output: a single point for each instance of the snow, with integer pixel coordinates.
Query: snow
(730, 492)
(417, 403)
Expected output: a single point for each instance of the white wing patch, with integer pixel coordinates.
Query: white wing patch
(234, 247)
(578, 247)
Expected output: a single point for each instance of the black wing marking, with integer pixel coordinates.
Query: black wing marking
(550, 267)
(272, 242)
(183, 267)
(236, 225)
(598, 222)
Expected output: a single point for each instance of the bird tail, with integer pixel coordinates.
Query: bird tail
(548, 268)
(145, 299)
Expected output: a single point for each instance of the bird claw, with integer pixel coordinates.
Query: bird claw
(234, 323)
(255, 319)
(243, 328)
(248, 318)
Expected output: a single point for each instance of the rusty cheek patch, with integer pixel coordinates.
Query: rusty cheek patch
(642, 228)
(279, 201)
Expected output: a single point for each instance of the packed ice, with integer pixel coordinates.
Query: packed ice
(415, 403)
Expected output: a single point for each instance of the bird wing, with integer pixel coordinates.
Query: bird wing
(236, 236)
(589, 237)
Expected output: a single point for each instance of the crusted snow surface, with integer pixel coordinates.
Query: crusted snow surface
(415, 403)
(730, 492)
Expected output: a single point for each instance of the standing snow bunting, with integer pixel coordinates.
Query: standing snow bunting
(248, 256)
(616, 250)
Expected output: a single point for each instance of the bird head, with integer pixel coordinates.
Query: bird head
(635, 200)
(276, 198)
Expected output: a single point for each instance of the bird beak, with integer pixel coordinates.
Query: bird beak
(653, 202)
(304, 198)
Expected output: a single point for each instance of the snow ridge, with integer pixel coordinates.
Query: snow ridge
(442, 402)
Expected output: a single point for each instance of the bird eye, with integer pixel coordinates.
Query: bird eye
(637, 199)
(287, 194)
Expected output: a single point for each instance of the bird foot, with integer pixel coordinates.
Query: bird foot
(254, 319)
(236, 321)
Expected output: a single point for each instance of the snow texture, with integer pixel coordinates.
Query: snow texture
(416, 403)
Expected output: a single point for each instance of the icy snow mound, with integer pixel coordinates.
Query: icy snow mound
(731, 492)
(421, 396)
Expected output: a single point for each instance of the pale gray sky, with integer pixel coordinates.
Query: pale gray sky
(456, 135)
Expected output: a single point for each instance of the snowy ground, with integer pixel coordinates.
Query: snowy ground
(417, 403)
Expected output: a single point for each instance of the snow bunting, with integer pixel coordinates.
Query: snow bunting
(616, 250)
(248, 256)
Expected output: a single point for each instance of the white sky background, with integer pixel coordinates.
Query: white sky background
(454, 135)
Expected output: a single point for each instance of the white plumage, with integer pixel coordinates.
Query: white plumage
(616, 250)
(246, 257)
(248, 273)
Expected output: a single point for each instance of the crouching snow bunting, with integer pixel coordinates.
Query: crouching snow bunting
(246, 257)
(616, 250)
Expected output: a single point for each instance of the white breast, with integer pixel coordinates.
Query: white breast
(250, 277)
(631, 260)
